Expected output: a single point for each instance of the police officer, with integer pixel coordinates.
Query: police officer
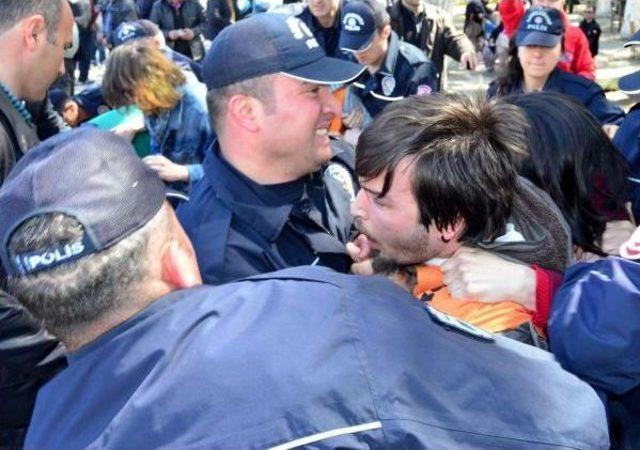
(395, 69)
(323, 19)
(627, 138)
(276, 190)
(532, 67)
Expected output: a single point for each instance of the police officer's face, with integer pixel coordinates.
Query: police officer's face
(49, 57)
(373, 55)
(392, 223)
(323, 8)
(296, 129)
(557, 4)
(538, 62)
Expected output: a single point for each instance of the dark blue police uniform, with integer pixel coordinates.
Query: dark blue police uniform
(406, 71)
(594, 331)
(328, 38)
(579, 88)
(240, 228)
(307, 358)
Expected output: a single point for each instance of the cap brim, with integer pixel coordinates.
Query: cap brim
(630, 84)
(326, 70)
(537, 38)
(355, 42)
(634, 40)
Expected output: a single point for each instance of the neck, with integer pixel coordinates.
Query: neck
(249, 160)
(534, 84)
(9, 76)
(329, 20)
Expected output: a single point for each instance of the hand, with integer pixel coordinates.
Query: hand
(174, 35)
(611, 130)
(354, 119)
(361, 251)
(476, 274)
(188, 34)
(615, 234)
(468, 60)
(166, 169)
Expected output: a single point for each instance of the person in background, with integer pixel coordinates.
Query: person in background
(395, 69)
(114, 12)
(324, 20)
(431, 29)
(576, 57)
(175, 110)
(181, 22)
(79, 108)
(532, 66)
(591, 29)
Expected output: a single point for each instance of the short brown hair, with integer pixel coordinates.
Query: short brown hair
(142, 75)
(465, 154)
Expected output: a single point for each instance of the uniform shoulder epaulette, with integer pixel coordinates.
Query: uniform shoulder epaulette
(412, 54)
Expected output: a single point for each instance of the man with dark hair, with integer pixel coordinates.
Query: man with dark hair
(182, 23)
(323, 19)
(395, 69)
(33, 38)
(291, 359)
(431, 29)
(411, 216)
(277, 189)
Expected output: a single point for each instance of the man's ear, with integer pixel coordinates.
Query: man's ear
(385, 32)
(245, 111)
(179, 268)
(34, 30)
(453, 232)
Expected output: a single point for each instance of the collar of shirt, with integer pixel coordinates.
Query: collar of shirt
(389, 65)
(261, 207)
(408, 15)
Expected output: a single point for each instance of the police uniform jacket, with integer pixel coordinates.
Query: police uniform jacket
(405, 71)
(237, 230)
(328, 38)
(584, 91)
(308, 358)
(437, 34)
(594, 328)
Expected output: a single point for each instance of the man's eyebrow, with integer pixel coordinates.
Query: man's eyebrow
(371, 191)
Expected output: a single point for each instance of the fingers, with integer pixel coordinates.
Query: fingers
(360, 248)
(362, 268)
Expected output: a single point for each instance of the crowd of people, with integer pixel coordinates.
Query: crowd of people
(269, 227)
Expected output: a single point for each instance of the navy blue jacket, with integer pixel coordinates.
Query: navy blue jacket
(579, 88)
(283, 357)
(594, 331)
(406, 71)
(627, 139)
(328, 38)
(236, 234)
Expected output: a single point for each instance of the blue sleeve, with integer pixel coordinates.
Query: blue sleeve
(606, 112)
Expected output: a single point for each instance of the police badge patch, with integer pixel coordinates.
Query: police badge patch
(423, 89)
(388, 85)
(339, 173)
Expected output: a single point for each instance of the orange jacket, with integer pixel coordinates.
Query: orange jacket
(493, 317)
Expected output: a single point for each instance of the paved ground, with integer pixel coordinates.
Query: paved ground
(613, 61)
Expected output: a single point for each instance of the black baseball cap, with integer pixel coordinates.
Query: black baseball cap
(358, 26)
(540, 26)
(91, 175)
(272, 43)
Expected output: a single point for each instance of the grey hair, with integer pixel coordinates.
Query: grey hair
(70, 297)
(13, 11)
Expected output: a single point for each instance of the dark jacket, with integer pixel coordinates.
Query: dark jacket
(405, 71)
(28, 356)
(328, 38)
(238, 230)
(592, 31)
(438, 35)
(581, 89)
(194, 18)
(307, 358)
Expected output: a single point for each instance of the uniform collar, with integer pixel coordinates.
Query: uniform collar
(389, 65)
(554, 82)
(235, 191)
